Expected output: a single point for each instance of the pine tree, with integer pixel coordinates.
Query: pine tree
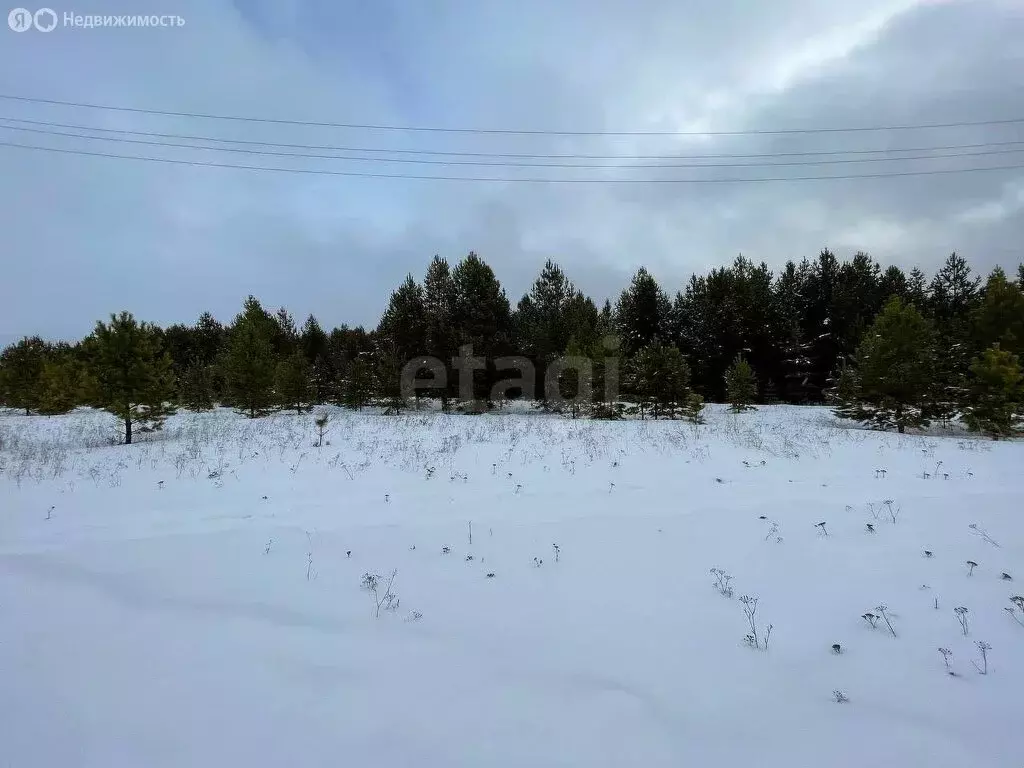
(999, 318)
(286, 336)
(358, 385)
(798, 369)
(572, 385)
(195, 386)
(482, 318)
(740, 386)
(61, 386)
(845, 396)
(659, 381)
(642, 313)
(250, 364)
(400, 339)
(896, 363)
(317, 350)
(135, 379)
(21, 366)
(439, 307)
(292, 382)
(996, 404)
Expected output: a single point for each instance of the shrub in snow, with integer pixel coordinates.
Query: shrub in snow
(961, 615)
(971, 565)
(840, 697)
(882, 610)
(871, 619)
(750, 611)
(382, 594)
(946, 656)
(1017, 606)
(722, 580)
(984, 648)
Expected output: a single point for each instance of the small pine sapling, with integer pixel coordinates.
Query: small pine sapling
(870, 528)
(837, 648)
(321, 422)
(983, 648)
(928, 553)
(961, 615)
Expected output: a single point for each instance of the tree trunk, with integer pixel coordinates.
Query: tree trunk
(128, 430)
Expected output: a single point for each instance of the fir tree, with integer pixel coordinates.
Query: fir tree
(250, 364)
(740, 386)
(134, 378)
(21, 366)
(292, 382)
(896, 363)
(996, 405)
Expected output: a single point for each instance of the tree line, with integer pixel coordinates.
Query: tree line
(887, 347)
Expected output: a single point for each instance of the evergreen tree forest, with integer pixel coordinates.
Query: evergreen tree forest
(888, 348)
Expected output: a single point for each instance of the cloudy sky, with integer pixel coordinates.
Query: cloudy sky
(83, 235)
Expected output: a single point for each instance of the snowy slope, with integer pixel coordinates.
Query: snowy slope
(190, 602)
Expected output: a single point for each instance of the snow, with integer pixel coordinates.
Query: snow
(167, 614)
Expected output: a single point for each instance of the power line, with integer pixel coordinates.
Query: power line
(507, 131)
(509, 155)
(507, 164)
(361, 174)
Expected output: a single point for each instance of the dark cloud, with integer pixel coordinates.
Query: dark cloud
(86, 236)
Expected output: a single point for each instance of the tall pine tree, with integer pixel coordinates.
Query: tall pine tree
(896, 363)
(21, 367)
(251, 362)
(135, 379)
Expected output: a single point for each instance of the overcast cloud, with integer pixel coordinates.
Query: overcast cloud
(85, 236)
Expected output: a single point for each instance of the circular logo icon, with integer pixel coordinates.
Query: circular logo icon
(45, 19)
(20, 19)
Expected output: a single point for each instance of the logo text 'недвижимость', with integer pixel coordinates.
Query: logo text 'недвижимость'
(47, 20)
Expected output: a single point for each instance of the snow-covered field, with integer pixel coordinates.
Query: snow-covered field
(195, 600)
